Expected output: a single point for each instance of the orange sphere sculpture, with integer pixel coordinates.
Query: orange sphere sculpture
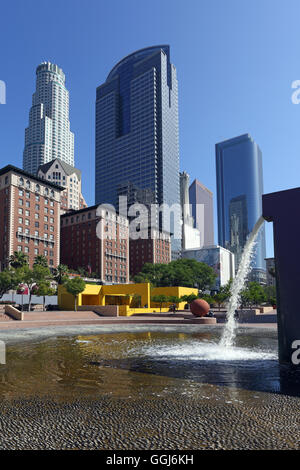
(199, 307)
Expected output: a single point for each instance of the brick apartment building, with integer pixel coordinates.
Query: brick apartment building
(29, 216)
(155, 249)
(98, 241)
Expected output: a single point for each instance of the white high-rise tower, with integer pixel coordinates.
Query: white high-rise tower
(48, 135)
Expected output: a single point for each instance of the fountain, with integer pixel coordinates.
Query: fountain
(122, 386)
(227, 339)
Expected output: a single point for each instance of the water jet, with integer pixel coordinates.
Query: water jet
(228, 336)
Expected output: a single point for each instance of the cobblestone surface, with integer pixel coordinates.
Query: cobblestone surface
(175, 423)
(105, 392)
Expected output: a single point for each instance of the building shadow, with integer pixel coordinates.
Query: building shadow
(252, 375)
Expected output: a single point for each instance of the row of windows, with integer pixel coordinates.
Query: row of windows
(35, 187)
(36, 233)
(116, 279)
(36, 252)
(37, 198)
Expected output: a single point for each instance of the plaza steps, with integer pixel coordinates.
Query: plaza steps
(4, 317)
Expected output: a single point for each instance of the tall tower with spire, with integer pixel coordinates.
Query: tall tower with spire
(48, 134)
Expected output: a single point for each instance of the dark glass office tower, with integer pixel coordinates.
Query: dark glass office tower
(137, 129)
(239, 192)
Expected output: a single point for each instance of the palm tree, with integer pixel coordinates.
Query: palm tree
(40, 260)
(18, 260)
(61, 273)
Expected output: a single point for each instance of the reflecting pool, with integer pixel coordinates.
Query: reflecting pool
(149, 390)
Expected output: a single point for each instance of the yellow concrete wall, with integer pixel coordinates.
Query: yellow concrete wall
(64, 299)
(95, 295)
(126, 311)
(129, 289)
(177, 291)
(97, 292)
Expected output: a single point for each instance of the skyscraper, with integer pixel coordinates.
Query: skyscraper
(239, 190)
(190, 234)
(201, 200)
(48, 135)
(137, 129)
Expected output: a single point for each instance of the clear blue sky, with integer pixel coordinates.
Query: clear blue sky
(235, 59)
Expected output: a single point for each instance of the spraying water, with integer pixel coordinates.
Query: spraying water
(238, 284)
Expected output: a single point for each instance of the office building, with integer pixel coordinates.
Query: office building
(96, 239)
(48, 134)
(190, 235)
(201, 200)
(239, 190)
(137, 132)
(218, 258)
(155, 249)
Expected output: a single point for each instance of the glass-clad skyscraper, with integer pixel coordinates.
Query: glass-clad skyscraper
(239, 193)
(137, 129)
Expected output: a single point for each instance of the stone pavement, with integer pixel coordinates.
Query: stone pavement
(60, 318)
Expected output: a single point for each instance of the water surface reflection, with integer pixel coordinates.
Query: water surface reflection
(146, 365)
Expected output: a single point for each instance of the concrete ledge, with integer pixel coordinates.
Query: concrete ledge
(253, 315)
(107, 310)
(14, 312)
(248, 314)
(102, 310)
(266, 309)
(86, 308)
(204, 320)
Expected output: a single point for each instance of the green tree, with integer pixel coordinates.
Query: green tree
(82, 271)
(9, 279)
(209, 299)
(181, 272)
(253, 294)
(219, 298)
(44, 289)
(174, 300)
(257, 293)
(33, 277)
(245, 299)
(41, 260)
(75, 286)
(160, 299)
(60, 274)
(151, 273)
(18, 260)
(189, 298)
(270, 292)
(226, 289)
(177, 274)
(223, 295)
